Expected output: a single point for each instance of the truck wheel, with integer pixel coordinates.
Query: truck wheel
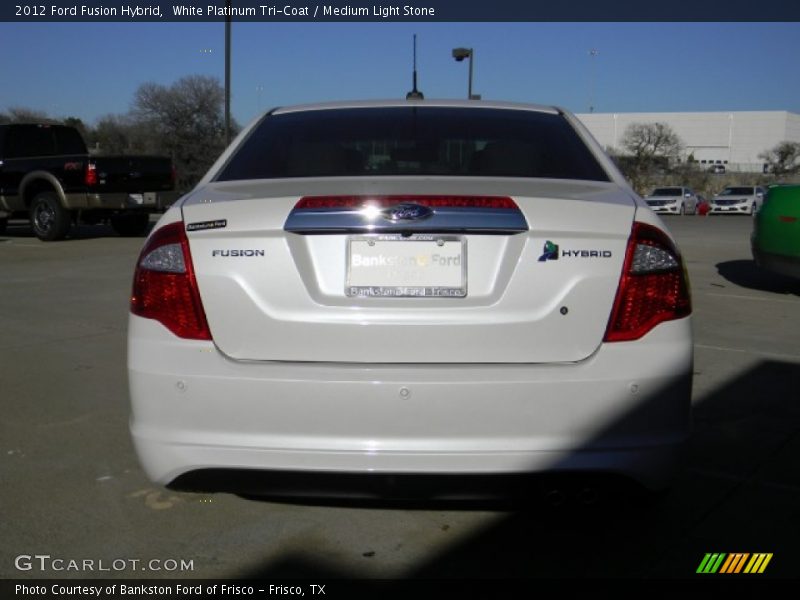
(130, 225)
(3, 224)
(50, 221)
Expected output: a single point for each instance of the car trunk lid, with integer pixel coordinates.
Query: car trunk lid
(536, 287)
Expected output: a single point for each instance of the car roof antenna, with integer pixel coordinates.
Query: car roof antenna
(415, 94)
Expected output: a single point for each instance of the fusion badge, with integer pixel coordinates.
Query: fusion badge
(237, 253)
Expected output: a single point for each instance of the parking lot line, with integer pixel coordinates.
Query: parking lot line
(746, 297)
(754, 352)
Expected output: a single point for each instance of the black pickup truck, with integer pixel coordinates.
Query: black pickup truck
(47, 174)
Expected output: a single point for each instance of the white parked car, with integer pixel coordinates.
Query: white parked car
(738, 199)
(410, 287)
(673, 200)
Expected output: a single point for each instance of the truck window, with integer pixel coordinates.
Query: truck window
(30, 140)
(69, 141)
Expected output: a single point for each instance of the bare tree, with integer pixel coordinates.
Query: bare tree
(18, 114)
(783, 159)
(648, 141)
(114, 134)
(649, 147)
(185, 120)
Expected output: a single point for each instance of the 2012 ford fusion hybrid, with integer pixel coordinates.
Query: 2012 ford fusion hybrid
(411, 287)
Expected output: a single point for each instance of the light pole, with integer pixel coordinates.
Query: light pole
(460, 54)
(592, 55)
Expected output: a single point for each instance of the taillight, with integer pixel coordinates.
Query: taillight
(164, 285)
(653, 287)
(90, 175)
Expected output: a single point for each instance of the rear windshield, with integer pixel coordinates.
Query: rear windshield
(413, 141)
(666, 192)
(737, 191)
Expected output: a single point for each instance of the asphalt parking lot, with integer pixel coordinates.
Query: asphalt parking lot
(71, 488)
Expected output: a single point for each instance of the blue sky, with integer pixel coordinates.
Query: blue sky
(91, 69)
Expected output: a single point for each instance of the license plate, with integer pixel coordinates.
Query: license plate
(422, 265)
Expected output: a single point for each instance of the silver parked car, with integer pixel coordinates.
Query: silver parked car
(739, 199)
(673, 200)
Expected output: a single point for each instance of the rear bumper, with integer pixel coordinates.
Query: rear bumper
(148, 202)
(731, 209)
(625, 410)
(670, 209)
(777, 263)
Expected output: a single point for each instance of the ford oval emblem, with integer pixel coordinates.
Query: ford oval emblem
(407, 211)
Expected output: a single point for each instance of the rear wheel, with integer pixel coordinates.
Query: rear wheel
(50, 221)
(130, 225)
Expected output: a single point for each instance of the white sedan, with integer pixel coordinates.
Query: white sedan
(738, 199)
(672, 200)
(410, 287)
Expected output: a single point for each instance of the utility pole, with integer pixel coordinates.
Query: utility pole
(228, 72)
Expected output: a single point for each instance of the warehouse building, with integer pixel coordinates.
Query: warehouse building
(731, 139)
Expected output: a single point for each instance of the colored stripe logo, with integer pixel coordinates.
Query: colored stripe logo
(737, 562)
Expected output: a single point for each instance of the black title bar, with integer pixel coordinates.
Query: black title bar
(400, 11)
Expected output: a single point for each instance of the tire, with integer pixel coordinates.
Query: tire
(130, 225)
(3, 225)
(50, 221)
(683, 210)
